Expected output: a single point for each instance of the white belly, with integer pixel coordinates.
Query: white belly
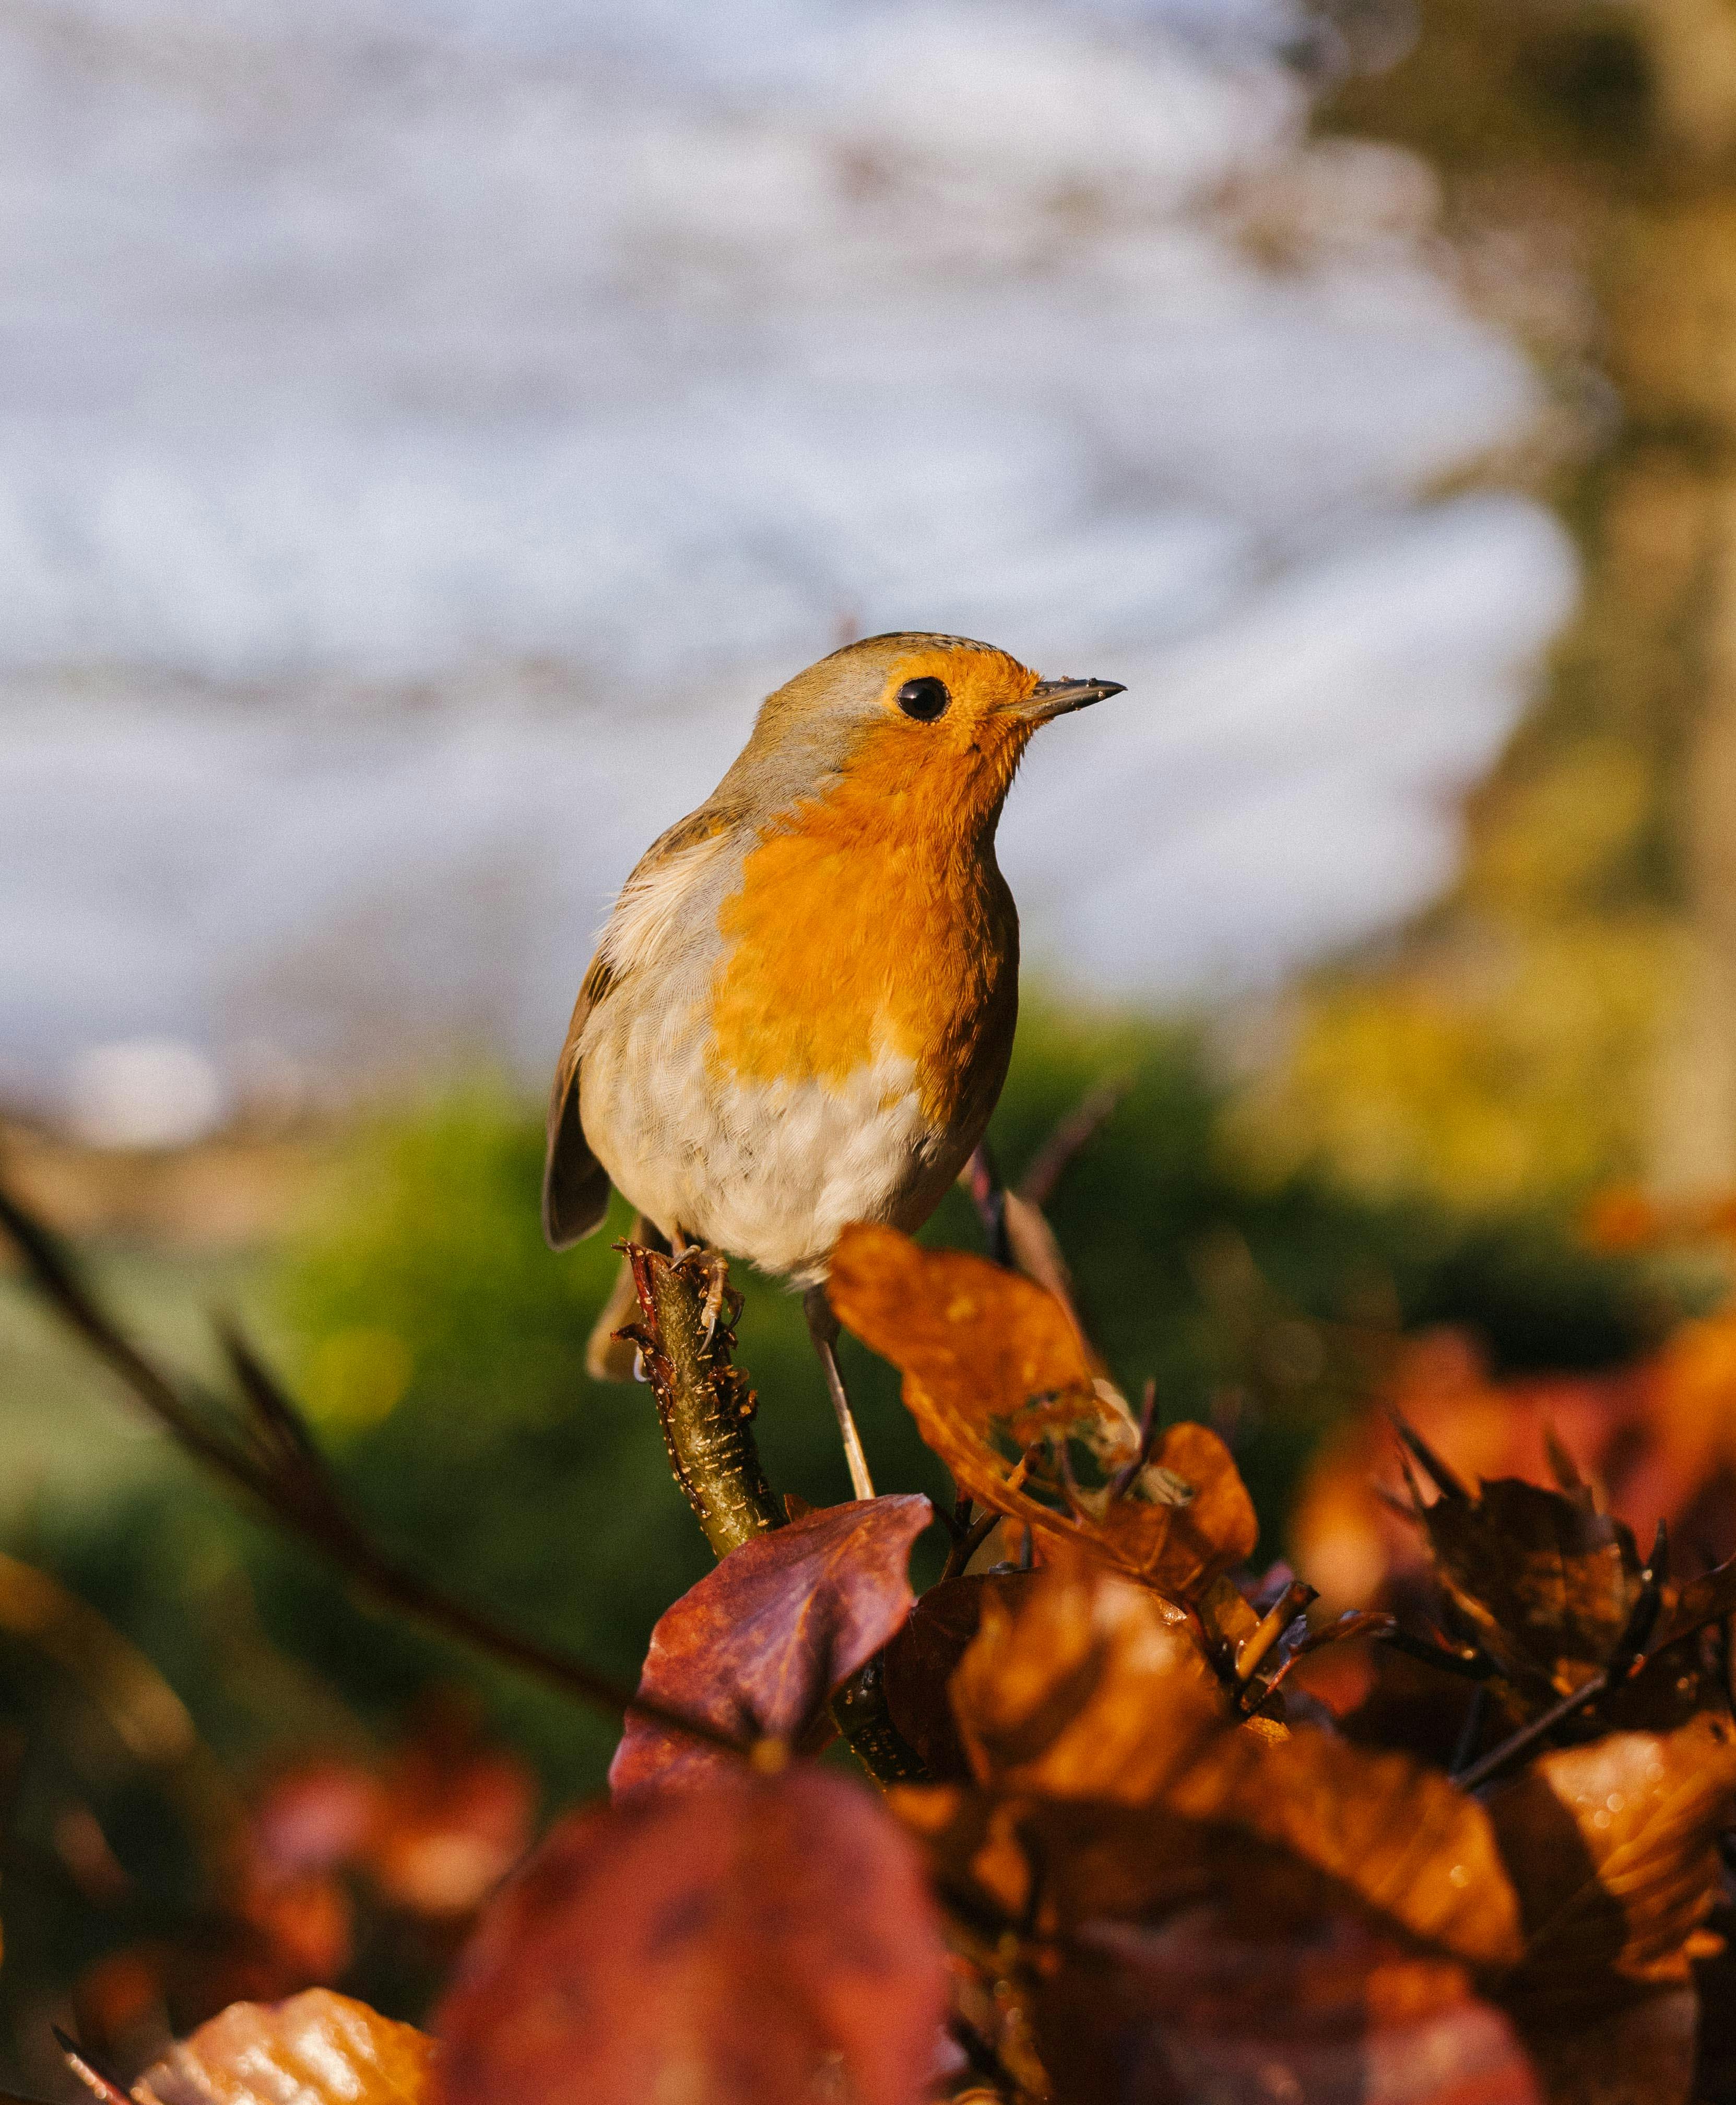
(769, 1171)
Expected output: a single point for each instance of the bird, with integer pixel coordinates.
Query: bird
(801, 1006)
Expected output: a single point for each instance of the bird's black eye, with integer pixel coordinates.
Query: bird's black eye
(924, 700)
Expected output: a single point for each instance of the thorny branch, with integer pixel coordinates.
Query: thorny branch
(264, 1448)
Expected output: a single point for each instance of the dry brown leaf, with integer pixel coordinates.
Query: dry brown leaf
(1548, 1582)
(1084, 1686)
(1613, 1848)
(751, 1940)
(1085, 1690)
(920, 1660)
(1641, 2053)
(758, 1647)
(1199, 2013)
(1004, 1392)
(317, 2049)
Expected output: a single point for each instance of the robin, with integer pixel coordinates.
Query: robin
(802, 1008)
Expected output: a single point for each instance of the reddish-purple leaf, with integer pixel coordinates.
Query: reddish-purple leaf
(754, 1941)
(761, 1643)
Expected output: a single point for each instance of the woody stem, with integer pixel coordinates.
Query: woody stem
(704, 1402)
(706, 1410)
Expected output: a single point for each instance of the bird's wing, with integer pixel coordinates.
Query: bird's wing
(575, 1185)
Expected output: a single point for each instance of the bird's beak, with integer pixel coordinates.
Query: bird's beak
(1056, 698)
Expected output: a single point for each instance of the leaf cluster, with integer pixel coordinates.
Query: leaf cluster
(1118, 1856)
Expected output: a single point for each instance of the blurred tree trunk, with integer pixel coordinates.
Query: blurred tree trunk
(1587, 960)
(1673, 329)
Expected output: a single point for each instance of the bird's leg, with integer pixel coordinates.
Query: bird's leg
(822, 1328)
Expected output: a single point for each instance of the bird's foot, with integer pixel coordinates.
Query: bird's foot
(715, 1267)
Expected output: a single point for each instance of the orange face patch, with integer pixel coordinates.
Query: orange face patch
(874, 920)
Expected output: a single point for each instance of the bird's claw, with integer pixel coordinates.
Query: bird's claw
(716, 1269)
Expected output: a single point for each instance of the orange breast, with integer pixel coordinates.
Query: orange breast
(875, 922)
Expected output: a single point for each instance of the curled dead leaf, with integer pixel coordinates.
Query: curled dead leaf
(1086, 1690)
(1613, 1848)
(1004, 1392)
(317, 2049)
(759, 1646)
(747, 1942)
(1547, 1582)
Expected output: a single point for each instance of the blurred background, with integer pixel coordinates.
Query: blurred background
(427, 428)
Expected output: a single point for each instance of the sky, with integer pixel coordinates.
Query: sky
(428, 427)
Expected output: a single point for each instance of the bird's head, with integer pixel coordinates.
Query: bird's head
(932, 721)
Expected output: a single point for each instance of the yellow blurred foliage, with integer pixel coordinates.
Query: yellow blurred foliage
(1516, 1073)
(356, 1378)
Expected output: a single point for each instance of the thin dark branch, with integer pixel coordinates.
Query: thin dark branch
(1124, 1476)
(1050, 1162)
(968, 1544)
(1469, 1663)
(91, 2074)
(273, 1457)
(1446, 1481)
(1528, 1735)
(982, 1179)
(1471, 1731)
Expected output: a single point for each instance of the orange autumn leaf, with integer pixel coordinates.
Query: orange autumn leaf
(1003, 1391)
(1084, 1686)
(1087, 1688)
(317, 2049)
(1613, 1848)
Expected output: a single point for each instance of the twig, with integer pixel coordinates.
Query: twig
(968, 1543)
(91, 2074)
(1445, 1482)
(1124, 1476)
(1469, 1663)
(267, 1451)
(982, 1179)
(1528, 1735)
(1050, 1162)
(1471, 1731)
(1284, 1611)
